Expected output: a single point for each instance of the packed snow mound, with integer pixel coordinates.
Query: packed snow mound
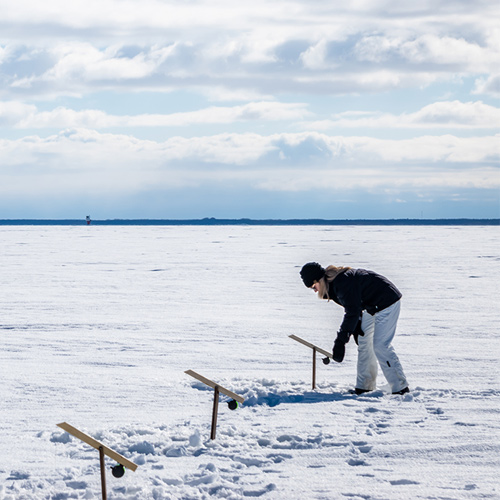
(273, 392)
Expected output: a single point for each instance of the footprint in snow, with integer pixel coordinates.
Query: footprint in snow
(400, 482)
(357, 448)
(373, 409)
(362, 446)
(259, 493)
(18, 475)
(278, 457)
(355, 462)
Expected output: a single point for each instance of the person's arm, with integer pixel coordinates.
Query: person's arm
(350, 298)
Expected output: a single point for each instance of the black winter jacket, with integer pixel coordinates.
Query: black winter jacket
(358, 290)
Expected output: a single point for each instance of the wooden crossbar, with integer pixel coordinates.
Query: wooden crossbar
(214, 385)
(312, 346)
(97, 445)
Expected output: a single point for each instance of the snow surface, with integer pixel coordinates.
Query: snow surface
(98, 325)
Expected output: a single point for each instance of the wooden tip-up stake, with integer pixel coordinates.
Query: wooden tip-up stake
(315, 349)
(217, 389)
(103, 450)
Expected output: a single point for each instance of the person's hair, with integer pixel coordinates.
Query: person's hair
(331, 272)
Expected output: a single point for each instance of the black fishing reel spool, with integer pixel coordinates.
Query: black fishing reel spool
(118, 470)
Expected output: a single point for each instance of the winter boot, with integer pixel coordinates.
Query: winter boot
(357, 391)
(402, 391)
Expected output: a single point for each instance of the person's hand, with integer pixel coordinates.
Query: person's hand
(343, 336)
(358, 332)
(338, 351)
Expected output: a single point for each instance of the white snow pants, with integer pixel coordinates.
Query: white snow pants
(375, 346)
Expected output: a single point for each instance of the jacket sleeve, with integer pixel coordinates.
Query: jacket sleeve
(350, 298)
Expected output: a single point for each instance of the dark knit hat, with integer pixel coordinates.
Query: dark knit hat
(310, 273)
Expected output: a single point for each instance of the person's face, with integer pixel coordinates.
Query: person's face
(315, 287)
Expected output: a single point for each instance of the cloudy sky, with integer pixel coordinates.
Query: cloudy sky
(263, 109)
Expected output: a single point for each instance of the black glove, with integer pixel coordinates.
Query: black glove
(357, 332)
(343, 336)
(338, 351)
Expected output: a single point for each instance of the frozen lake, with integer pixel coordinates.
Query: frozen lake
(99, 323)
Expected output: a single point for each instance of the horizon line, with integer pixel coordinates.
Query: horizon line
(250, 221)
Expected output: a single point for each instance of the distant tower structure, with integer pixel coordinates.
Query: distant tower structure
(88, 220)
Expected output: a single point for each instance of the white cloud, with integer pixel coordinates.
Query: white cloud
(315, 56)
(124, 17)
(79, 63)
(3, 54)
(446, 114)
(280, 161)
(457, 114)
(11, 112)
(429, 150)
(489, 86)
(446, 50)
(440, 51)
(24, 116)
(220, 94)
(253, 49)
(248, 147)
(391, 179)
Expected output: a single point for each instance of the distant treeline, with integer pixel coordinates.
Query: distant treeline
(252, 222)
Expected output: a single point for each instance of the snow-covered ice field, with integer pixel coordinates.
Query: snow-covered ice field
(99, 323)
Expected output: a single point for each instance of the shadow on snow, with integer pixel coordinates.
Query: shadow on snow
(260, 396)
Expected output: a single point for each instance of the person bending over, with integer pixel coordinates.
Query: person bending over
(371, 304)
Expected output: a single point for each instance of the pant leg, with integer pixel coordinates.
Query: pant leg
(367, 362)
(384, 329)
